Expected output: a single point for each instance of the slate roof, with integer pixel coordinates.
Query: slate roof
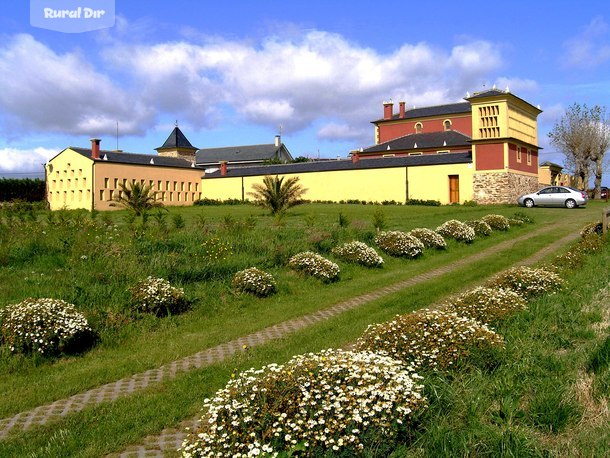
(436, 110)
(551, 164)
(177, 140)
(438, 140)
(245, 153)
(489, 93)
(136, 159)
(335, 165)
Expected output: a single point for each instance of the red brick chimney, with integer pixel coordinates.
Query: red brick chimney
(388, 110)
(401, 107)
(355, 158)
(95, 148)
(223, 168)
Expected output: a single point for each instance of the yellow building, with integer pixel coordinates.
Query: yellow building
(90, 178)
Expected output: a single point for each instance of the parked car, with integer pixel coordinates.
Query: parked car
(603, 194)
(554, 196)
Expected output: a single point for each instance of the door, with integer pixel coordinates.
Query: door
(454, 189)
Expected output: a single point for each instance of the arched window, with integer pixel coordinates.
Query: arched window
(447, 124)
(418, 128)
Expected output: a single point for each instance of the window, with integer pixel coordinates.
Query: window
(167, 185)
(447, 124)
(101, 194)
(388, 155)
(196, 186)
(116, 183)
(529, 157)
(443, 152)
(518, 154)
(159, 185)
(171, 196)
(182, 186)
(190, 186)
(419, 128)
(175, 185)
(110, 194)
(80, 195)
(415, 154)
(106, 182)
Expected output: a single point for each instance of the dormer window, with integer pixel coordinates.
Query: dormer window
(447, 124)
(419, 128)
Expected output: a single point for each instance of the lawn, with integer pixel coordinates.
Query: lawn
(92, 262)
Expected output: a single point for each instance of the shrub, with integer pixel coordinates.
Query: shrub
(331, 401)
(157, 296)
(497, 222)
(423, 202)
(481, 228)
(592, 228)
(428, 339)
(456, 230)
(358, 253)
(254, 281)
(428, 237)
(45, 326)
(315, 265)
(397, 243)
(528, 282)
(487, 305)
(523, 217)
(515, 222)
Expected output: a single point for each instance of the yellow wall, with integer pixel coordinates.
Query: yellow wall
(377, 185)
(489, 119)
(69, 180)
(178, 186)
(522, 124)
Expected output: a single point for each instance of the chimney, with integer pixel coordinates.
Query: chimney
(355, 158)
(401, 106)
(95, 148)
(278, 141)
(388, 110)
(223, 168)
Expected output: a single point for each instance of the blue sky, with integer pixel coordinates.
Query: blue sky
(232, 72)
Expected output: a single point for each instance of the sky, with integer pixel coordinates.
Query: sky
(236, 72)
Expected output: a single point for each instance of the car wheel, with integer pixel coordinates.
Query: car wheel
(570, 203)
(529, 203)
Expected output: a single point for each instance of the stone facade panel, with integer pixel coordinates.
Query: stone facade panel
(502, 188)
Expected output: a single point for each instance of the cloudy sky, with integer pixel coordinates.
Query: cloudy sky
(230, 73)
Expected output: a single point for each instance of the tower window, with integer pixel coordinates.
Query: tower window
(447, 124)
(419, 128)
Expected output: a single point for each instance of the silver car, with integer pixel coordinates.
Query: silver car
(554, 196)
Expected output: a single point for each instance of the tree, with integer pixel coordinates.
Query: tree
(277, 195)
(583, 136)
(136, 197)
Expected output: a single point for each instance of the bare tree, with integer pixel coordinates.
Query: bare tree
(583, 136)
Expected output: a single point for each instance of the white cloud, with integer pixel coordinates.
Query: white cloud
(590, 48)
(25, 160)
(299, 80)
(334, 131)
(517, 85)
(46, 91)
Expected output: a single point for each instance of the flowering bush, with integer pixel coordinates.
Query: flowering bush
(254, 281)
(515, 222)
(481, 228)
(156, 295)
(487, 305)
(44, 326)
(428, 237)
(497, 222)
(428, 339)
(359, 253)
(592, 228)
(528, 282)
(397, 243)
(315, 265)
(316, 403)
(456, 230)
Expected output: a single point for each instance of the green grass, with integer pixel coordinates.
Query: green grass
(32, 264)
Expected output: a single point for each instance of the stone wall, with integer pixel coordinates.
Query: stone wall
(502, 188)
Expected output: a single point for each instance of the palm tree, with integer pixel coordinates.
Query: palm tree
(277, 195)
(136, 197)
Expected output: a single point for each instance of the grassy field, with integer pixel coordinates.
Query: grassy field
(91, 262)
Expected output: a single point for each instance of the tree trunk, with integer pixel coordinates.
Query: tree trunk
(599, 172)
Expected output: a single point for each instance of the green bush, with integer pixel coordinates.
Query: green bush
(456, 230)
(158, 296)
(429, 238)
(44, 326)
(487, 305)
(254, 281)
(423, 202)
(315, 404)
(428, 339)
(528, 282)
(481, 228)
(397, 243)
(358, 253)
(497, 222)
(315, 265)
